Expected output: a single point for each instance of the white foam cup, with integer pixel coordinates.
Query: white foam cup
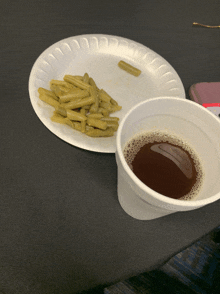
(182, 118)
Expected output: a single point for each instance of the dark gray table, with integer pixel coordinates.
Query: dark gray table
(62, 231)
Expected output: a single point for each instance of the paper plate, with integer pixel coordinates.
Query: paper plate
(98, 55)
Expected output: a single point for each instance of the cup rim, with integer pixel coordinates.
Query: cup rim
(142, 186)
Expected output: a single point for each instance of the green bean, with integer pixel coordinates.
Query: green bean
(100, 133)
(73, 94)
(61, 111)
(115, 108)
(78, 77)
(77, 125)
(113, 125)
(49, 100)
(114, 102)
(56, 117)
(129, 68)
(103, 96)
(95, 115)
(109, 107)
(72, 115)
(83, 123)
(43, 91)
(62, 83)
(78, 103)
(110, 119)
(93, 84)
(76, 82)
(73, 124)
(105, 105)
(97, 123)
(86, 78)
(104, 111)
(95, 105)
(58, 92)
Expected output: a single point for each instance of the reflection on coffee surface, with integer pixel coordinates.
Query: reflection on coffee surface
(166, 164)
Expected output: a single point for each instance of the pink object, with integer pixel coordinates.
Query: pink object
(204, 93)
(211, 105)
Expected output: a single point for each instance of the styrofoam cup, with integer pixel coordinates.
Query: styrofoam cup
(185, 119)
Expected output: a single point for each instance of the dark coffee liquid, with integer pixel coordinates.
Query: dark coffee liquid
(164, 165)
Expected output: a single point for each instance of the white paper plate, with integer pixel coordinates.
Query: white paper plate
(98, 55)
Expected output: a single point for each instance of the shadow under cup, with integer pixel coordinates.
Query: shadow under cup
(184, 119)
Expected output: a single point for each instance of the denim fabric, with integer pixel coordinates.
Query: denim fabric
(194, 270)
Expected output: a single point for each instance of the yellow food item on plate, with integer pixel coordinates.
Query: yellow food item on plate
(129, 68)
(81, 105)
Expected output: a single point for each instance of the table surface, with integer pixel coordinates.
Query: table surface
(64, 231)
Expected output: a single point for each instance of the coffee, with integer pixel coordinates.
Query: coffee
(166, 164)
